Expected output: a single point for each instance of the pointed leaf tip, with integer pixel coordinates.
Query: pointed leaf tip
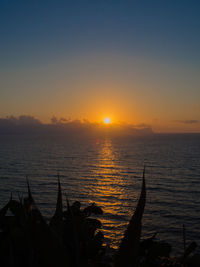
(28, 186)
(129, 247)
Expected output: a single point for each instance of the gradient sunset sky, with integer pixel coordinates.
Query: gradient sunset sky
(133, 61)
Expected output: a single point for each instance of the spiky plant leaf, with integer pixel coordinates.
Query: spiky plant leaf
(128, 251)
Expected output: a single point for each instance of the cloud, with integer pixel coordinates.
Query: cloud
(29, 124)
(142, 125)
(189, 121)
(22, 120)
(55, 120)
(21, 124)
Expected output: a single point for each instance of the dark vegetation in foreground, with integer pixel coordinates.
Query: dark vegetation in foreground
(72, 238)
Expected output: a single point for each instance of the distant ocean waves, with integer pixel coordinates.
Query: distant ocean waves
(108, 172)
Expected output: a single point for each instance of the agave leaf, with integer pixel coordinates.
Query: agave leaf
(147, 243)
(93, 208)
(4, 210)
(191, 248)
(15, 207)
(29, 190)
(51, 251)
(94, 223)
(48, 246)
(56, 222)
(28, 201)
(72, 227)
(31, 210)
(59, 206)
(128, 251)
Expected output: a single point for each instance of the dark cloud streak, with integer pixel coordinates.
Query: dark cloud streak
(189, 121)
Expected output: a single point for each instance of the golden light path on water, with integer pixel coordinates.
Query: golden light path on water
(109, 191)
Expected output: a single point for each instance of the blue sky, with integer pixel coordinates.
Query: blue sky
(53, 28)
(151, 44)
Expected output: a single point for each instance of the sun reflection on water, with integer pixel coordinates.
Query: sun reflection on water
(108, 190)
(107, 171)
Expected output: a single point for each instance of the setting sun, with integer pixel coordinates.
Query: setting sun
(107, 120)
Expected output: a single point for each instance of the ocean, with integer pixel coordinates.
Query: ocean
(108, 171)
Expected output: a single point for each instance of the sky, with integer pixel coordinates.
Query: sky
(136, 62)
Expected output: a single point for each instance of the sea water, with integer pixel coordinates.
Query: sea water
(108, 171)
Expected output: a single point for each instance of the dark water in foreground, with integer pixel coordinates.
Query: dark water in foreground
(108, 172)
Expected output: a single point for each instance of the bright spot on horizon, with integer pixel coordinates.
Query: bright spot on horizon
(107, 120)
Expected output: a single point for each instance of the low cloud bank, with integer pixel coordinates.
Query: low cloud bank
(30, 125)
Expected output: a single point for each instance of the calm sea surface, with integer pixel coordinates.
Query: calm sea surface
(108, 172)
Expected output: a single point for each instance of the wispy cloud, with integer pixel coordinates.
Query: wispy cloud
(189, 121)
(142, 125)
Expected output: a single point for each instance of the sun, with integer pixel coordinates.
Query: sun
(107, 120)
